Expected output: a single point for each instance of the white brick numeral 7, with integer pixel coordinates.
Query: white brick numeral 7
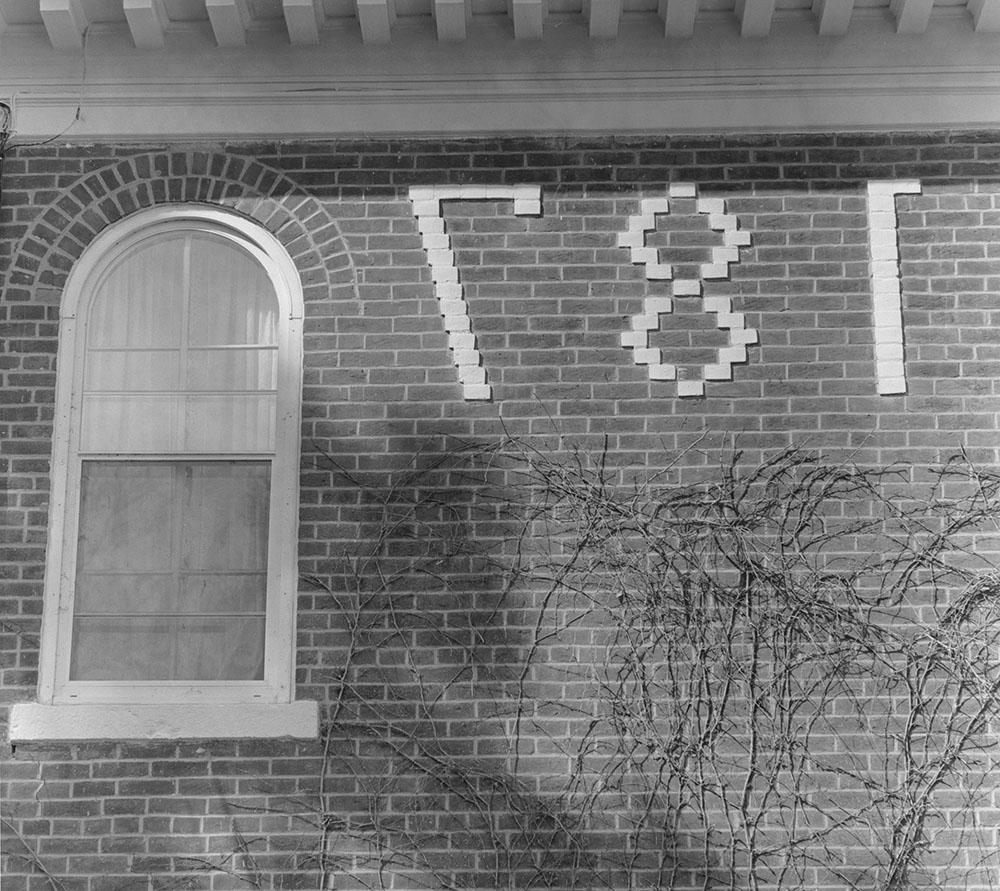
(428, 209)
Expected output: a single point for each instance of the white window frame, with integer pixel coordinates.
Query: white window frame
(180, 709)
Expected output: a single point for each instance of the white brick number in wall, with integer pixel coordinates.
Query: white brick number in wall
(887, 299)
(649, 319)
(444, 271)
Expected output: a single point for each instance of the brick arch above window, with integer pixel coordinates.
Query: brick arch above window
(61, 231)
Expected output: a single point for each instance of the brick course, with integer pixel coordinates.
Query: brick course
(548, 297)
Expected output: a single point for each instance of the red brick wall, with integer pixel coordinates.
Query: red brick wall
(549, 297)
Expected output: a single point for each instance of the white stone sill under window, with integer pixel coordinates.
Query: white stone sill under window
(34, 722)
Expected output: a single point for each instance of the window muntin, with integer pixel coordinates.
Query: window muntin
(184, 337)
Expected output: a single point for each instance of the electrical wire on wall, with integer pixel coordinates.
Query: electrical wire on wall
(6, 130)
(6, 124)
(78, 114)
(7, 116)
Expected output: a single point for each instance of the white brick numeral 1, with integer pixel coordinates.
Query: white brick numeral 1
(649, 319)
(887, 298)
(444, 271)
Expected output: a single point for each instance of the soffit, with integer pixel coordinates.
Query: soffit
(186, 69)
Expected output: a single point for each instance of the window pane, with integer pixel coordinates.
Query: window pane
(148, 593)
(139, 303)
(191, 649)
(171, 570)
(232, 300)
(132, 370)
(216, 495)
(237, 423)
(138, 424)
(126, 517)
(205, 592)
(123, 592)
(247, 368)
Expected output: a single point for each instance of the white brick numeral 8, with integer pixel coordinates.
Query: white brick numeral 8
(649, 319)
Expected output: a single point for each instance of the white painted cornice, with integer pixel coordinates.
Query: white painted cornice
(490, 83)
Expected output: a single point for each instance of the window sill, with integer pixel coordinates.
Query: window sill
(32, 722)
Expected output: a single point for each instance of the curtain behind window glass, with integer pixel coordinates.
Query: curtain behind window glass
(181, 351)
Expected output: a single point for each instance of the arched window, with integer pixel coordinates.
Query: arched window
(171, 581)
